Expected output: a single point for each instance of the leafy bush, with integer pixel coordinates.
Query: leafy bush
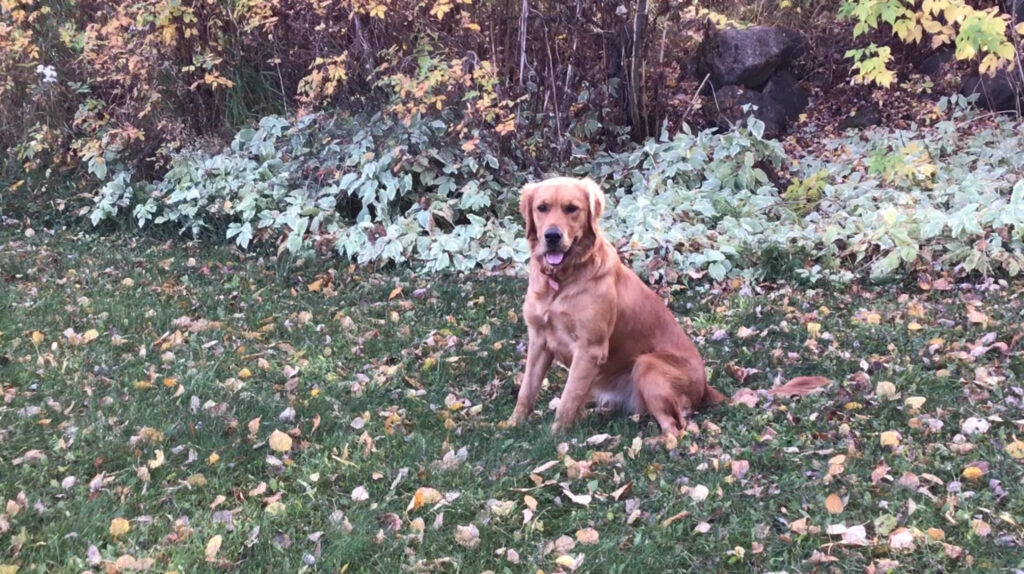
(374, 189)
(924, 199)
(379, 191)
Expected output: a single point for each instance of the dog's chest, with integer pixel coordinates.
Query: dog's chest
(557, 327)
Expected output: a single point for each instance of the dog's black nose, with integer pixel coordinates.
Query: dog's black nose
(553, 236)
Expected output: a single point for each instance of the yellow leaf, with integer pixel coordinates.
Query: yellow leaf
(441, 7)
(972, 473)
(914, 326)
(834, 504)
(213, 547)
(565, 561)
(813, 329)
(90, 335)
(9, 568)
(424, 495)
(315, 286)
(395, 292)
(157, 461)
(37, 338)
(889, 438)
(280, 441)
(1016, 449)
(119, 527)
(213, 458)
(245, 373)
(914, 403)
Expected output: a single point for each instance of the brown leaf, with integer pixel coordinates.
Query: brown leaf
(588, 536)
(834, 504)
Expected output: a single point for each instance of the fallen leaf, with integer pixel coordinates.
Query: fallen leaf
(980, 527)
(834, 504)
(889, 438)
(1016, 449)
(213, 547)
(424, 495)
(360, 494)
(901, 539)
(280, 441)
(588, 536)
(972, 473)
(885, 390)
(157, 461)
(739, 468)
(467, 536)
(119, 527)
(699, 493)
(914, 403)
(856, 536)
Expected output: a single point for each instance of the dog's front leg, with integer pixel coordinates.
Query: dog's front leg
(538, 361)
(584, 369)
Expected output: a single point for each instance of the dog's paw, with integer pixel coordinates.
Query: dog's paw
(559, 427)
(515, 420)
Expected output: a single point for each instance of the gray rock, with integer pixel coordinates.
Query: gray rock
(998, 93)
(748, 57)
(784, 89)
(731, 99)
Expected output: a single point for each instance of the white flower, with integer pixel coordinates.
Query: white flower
(49, 73)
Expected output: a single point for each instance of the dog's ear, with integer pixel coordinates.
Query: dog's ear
(595, 201)
(526, 209)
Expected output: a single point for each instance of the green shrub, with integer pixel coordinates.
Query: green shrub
(694, 204)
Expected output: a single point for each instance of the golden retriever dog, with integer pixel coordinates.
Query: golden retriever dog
(587, 310)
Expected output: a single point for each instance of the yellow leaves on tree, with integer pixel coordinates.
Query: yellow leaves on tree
(974, 31)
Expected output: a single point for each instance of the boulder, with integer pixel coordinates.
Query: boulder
(731, 99)
(866, 116)
(749, 56)
(784, 90)
(998, 93)
(935, 63)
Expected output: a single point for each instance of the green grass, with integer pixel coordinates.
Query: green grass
(432, 369)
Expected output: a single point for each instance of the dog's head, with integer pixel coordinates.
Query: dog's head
(561, 216)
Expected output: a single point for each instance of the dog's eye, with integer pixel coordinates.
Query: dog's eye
(543, 208)
(571, 208)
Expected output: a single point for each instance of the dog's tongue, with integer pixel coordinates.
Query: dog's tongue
(554, 258)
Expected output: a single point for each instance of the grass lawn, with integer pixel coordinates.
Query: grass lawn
(196, 409)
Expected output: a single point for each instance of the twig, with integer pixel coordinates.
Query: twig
(693, 100)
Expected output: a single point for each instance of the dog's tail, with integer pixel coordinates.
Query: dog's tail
(799, 386)
(712, 397)
(796, 387)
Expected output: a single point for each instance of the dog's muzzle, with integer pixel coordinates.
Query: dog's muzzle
(553, 242)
